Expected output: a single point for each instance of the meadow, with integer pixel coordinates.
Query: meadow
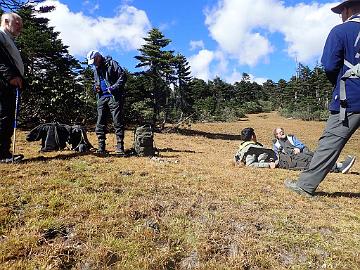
(189, 208)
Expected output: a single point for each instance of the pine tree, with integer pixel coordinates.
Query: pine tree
(160, 71)
(181, 91)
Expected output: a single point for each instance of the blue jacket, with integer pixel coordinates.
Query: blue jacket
(295, 142)
(339, 46)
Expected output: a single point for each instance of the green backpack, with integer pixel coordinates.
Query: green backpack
(144, 141)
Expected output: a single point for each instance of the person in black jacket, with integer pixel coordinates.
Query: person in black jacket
(11, 78)
(109, 79)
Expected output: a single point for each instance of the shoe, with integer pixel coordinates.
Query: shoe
(101, 149)
(11, 159)
(290, 184)
(347, 164)
(102, 152)
(119, 151)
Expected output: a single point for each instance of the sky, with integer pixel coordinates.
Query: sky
(220, 38)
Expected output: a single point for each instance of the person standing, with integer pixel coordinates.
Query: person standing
(109, 80)
(341, 57)
(11, 78)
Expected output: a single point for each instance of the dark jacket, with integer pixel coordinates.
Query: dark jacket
(8, 69)
(55, 136)
(339, 46)
(113, 73)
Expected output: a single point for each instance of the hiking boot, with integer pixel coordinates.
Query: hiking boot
(11, 159)
(119, 151)
(101, 149)
(292, 185)
(347, 164)
(101, 152)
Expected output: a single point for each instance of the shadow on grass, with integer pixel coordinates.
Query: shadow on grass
(217, 136)
(177, 151)
(69, 156)
(338, 194)
(128, 154)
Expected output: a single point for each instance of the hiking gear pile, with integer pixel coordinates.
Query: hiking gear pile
(56, 136)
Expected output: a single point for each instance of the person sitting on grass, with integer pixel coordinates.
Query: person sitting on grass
(293, 154)
(252, 153)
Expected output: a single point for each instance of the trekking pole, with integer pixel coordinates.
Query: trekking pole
(15, 121)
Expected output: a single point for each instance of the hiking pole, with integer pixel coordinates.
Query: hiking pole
(15, 121)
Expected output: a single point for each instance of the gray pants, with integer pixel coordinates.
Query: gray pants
(331, 143)
(113, 106)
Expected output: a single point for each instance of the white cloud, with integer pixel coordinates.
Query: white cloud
(81, 33)
(196, 44)
(200, 64)
(243, 28)
(236, 76)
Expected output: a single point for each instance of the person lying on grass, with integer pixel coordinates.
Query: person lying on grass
(252, 153)
(293, 154)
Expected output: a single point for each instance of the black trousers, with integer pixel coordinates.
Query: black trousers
(113, 106)
(7, 117)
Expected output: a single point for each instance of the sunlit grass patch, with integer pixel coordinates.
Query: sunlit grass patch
(189, 208)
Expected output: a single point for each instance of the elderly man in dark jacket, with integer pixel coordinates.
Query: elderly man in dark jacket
(340, 59)
(109, 79)
(11, 77)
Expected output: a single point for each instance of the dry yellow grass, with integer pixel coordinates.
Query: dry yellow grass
(188, 209)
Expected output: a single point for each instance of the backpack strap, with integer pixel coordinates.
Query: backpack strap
(57, 140)
(352, 73)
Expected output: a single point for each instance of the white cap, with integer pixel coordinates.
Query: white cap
(91, 55)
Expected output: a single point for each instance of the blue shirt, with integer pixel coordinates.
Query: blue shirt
(104, 88)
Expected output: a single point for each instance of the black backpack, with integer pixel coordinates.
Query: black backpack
(56, 136)
(78, 139)
(144, 141)
(53, 136)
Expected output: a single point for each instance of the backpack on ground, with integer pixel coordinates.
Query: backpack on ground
(144, 141)
(53, 136)
(78, 139)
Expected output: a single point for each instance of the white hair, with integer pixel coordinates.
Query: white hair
(9, 17)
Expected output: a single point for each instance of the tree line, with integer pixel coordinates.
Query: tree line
(60, 87)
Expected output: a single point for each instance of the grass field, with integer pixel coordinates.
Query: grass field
(190, 208)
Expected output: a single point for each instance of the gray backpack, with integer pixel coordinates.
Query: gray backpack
(144, 141)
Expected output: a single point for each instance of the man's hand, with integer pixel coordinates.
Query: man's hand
(110, 89)
(296, 151)
(97, 89)
(272, 165)
(17, 82)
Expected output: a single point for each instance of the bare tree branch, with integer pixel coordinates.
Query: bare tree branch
(17, 4)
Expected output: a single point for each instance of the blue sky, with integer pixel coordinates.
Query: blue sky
(224, 38)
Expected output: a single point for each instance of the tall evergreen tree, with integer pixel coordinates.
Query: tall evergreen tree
(181, 91)
(159, 64)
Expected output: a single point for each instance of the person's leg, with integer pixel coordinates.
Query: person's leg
(100, 129)
(322, 163)
(7, 116)
(116, 109)
(331, 143)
